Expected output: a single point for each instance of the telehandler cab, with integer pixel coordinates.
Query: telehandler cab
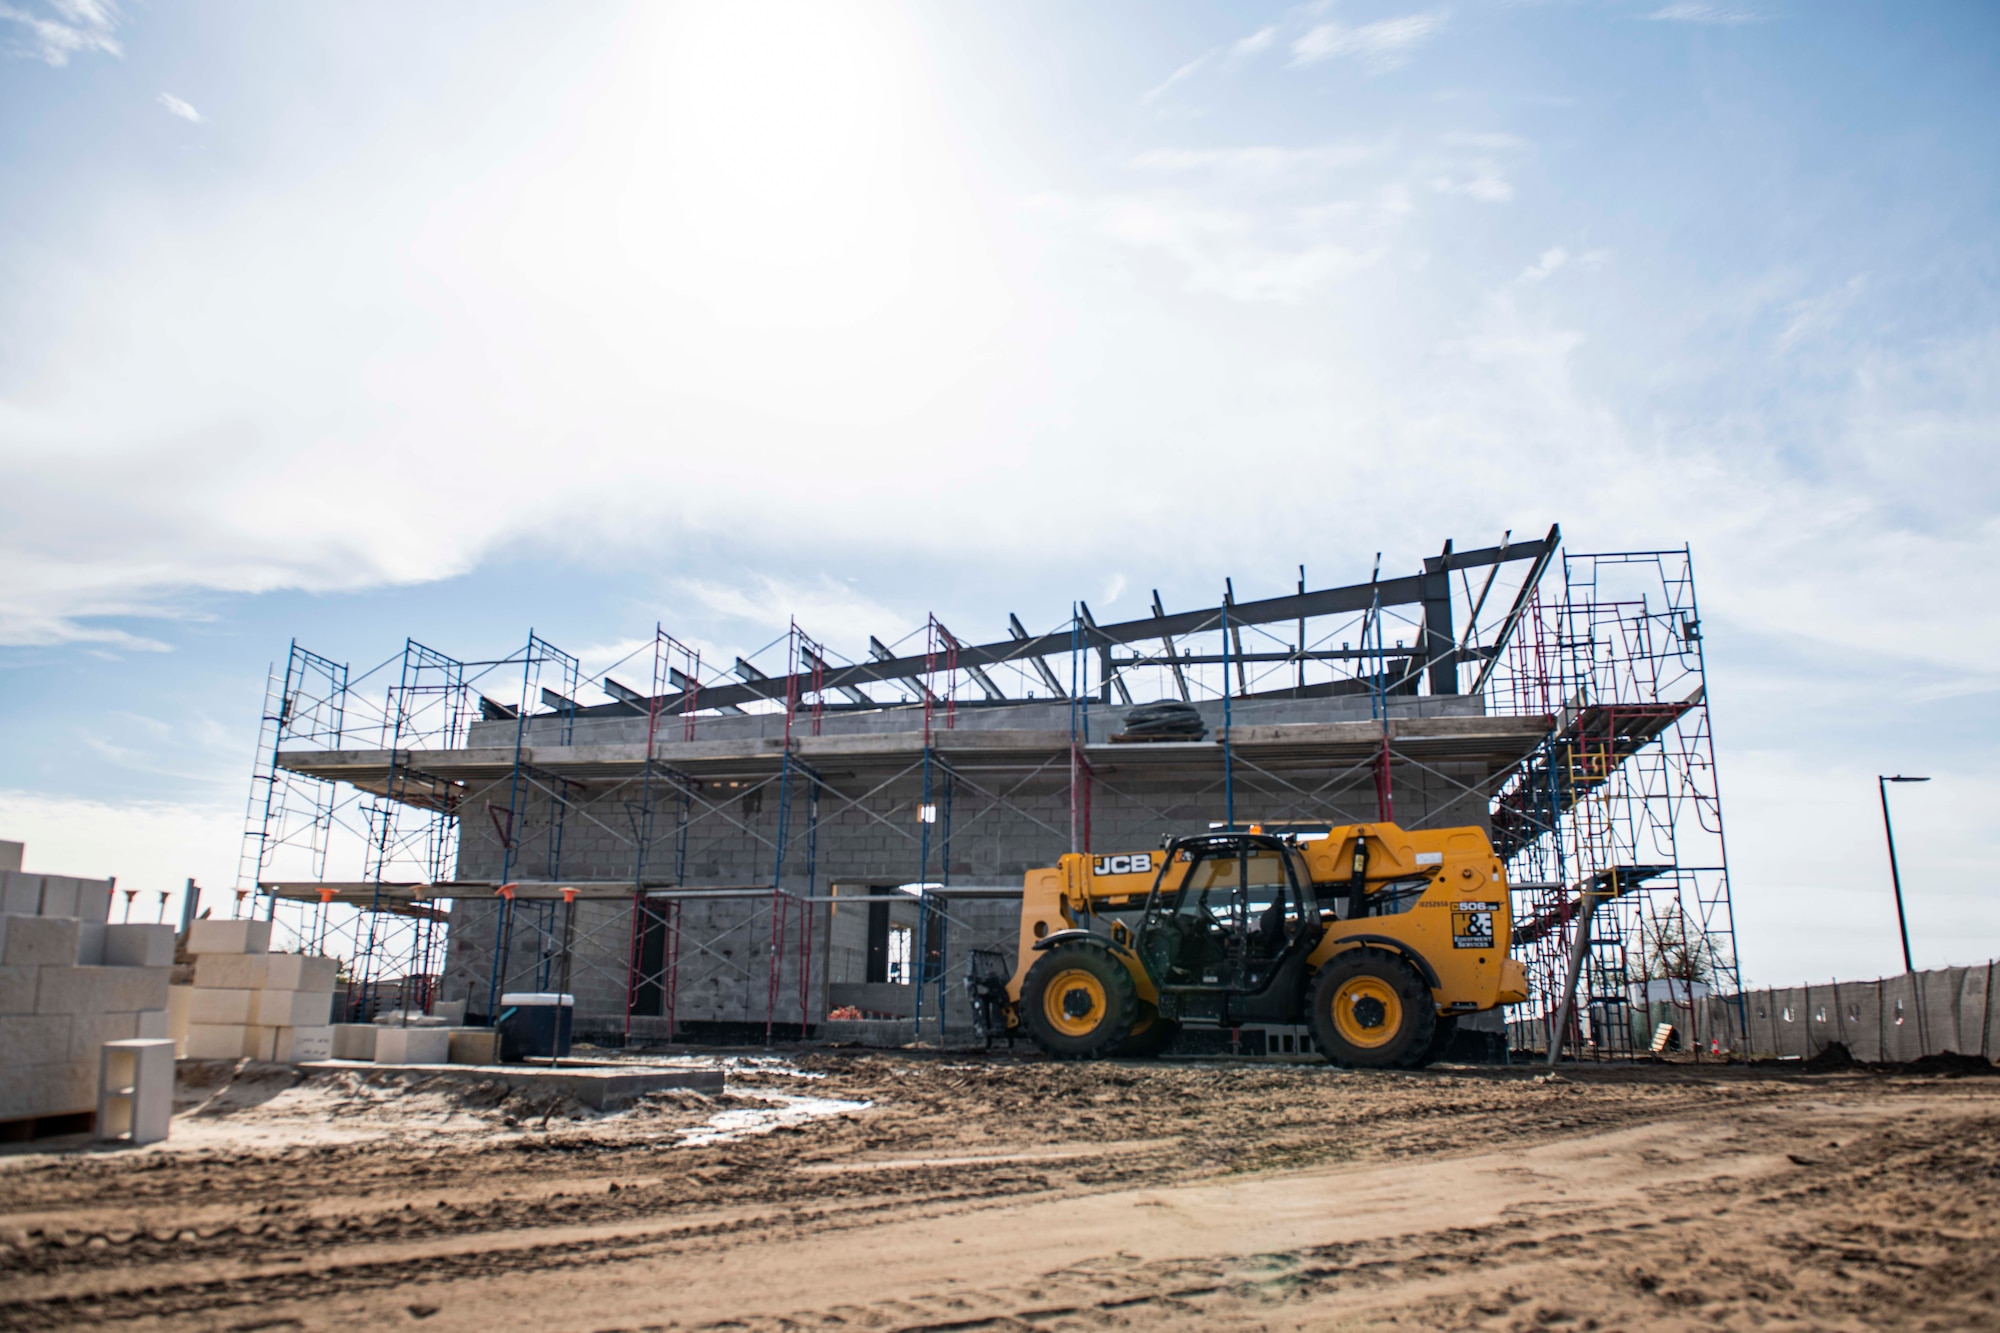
(1368, 940)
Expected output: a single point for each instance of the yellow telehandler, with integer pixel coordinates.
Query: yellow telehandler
(1367, 941)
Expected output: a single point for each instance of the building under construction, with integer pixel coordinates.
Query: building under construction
(725, 851)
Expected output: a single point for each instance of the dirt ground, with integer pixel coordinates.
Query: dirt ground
(889, 1191)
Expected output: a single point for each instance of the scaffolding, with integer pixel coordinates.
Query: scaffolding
(1613, 829)
(1594, 759)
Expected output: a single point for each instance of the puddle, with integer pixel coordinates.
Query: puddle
(783, 1111)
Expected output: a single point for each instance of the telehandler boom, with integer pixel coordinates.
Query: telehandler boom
(1369, 939)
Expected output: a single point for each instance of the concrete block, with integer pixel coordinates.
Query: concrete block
(292, 1008)
(89, 944)
(59, 1089)
(295, 1045)
(89, 1032)
(214, 1004)
(138, 944)
(59, 896)
(230, 971)
(214, 1041)
(20, 895)
(474, 1046)
(451, 1011)
(93, 900)
(412, 1046)
(135, 1090)
(354, 1041)
(260, 1042)
(241, 935)
(34, 1039)
(292, 971)
(180, 1007)
(101, 990)
(17, 989)
(10, 856)
(152, 1024)
(38, 941)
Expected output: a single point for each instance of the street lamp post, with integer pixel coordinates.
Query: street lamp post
(1895, 876)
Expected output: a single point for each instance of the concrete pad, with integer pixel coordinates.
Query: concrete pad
(354, 1041)
(241, 936)
(34, 1039)
(598, 1086)
(138, 944)
(412, 1046)
(213, 1004)
(295, 1045)
(474, 1046)
(101, 990)
(38, 941)
(292, 971)
(292, 1008)
(230, 971)
(89, 1032)
(214, 1041)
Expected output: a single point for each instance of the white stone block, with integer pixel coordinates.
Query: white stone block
(34, 1039)
(292, 971)
(59, 896)
(38, 941)
(180, 1004)
(475, 1046)
(89, 1032)
(135, 1090)
(53, 1089)
(241, 935)
(296, 1045)
(152, 1025)
(260, 1042)
(451, 1011)
(101, 990)
(20, 895)
(213, 1004)
(93, 900)
(412, 1046)
(10, 856)
(354, 1041)
(214, 1041)
(17, 989)
(230, 971)
(292, 1008)
(138, 944)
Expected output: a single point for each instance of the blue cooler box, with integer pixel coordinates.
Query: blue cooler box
(535, 1025)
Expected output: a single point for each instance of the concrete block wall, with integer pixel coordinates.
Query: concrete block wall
(245, 1003)
(67, 986)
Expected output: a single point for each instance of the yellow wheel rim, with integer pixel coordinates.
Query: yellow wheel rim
(1074, 1002)
(1367, 1012)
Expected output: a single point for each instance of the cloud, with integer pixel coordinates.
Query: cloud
(72, 27)
(1383, 45)
(1263, 163)
(175, 106)
(1180, 75)
(1551, 259)
(1698, 11)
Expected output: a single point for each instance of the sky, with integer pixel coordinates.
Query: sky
(359, 322)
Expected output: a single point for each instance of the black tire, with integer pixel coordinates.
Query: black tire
(1149, 1036)
(1078, 1002)
(1370, 1010)
(1447, 1028)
